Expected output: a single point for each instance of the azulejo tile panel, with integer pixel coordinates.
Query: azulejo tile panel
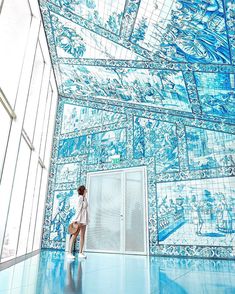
(76, 118)
(188, 31)
(64, 209)
(216, 92)
(190, 207)
(73, 41)
(67, 173)
(208, 149)
(156, 138)
(163, 88)
(106, 14)
(197, 212)
(99, 147)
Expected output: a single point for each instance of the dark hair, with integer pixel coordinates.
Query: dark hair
(81, 190)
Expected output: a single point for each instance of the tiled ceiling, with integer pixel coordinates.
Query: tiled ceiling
(171, 56)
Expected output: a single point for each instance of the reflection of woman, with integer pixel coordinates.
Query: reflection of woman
(71, 286)
(82, 220)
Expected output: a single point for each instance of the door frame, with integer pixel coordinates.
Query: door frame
(145, 198)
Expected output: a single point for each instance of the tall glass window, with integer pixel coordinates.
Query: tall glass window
(46, 122)
(17, 201)
(28, 99)
(40, 212)
(34, 93)
(41, 108)
(34, 209)
(28, 204)
(15, 19)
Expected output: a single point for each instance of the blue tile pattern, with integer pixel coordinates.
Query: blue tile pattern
(174, 33)
(107, 15)
(165, 89)
(64, 209)
(151, 81)
(208, 149)
(196, 212)
(217, 93)
(188, 31)
(99, 146)
(156, 138)
(72, 41)
(76, 118)
(176, 177)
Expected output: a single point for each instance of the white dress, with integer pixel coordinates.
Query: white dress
(82, 216)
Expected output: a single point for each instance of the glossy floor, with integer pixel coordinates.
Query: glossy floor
(51, 272)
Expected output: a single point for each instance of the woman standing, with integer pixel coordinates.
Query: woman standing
(81, 221)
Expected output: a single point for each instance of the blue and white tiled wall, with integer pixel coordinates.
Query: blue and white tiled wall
(190, 166)
(151, 81)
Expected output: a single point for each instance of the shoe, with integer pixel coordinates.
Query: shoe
(81, 255)
(70, 255)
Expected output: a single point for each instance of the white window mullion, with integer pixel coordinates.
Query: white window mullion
(7, 105)
(28, 141)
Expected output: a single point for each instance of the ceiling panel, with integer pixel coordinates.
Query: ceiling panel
(105, 13)
(175, 55)
(72, 40)
(184, 31)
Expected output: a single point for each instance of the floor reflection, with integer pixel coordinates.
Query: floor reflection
(74, 277)
(50, 272)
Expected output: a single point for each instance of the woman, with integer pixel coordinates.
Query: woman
(82, 221)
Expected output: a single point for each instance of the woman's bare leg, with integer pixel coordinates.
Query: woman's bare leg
(82, 238)
(72, 240)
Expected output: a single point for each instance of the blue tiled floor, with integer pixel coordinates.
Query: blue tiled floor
(50, 272)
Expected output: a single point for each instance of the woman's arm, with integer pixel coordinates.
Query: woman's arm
(80, 201)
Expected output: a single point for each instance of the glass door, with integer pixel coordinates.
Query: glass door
(105, 206)
(117, 209)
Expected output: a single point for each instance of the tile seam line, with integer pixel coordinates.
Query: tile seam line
(183, 275)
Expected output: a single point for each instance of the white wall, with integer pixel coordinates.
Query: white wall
(28, 101)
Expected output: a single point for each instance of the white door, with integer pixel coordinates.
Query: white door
(117, 212)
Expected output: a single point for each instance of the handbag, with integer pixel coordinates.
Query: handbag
(73, 228)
